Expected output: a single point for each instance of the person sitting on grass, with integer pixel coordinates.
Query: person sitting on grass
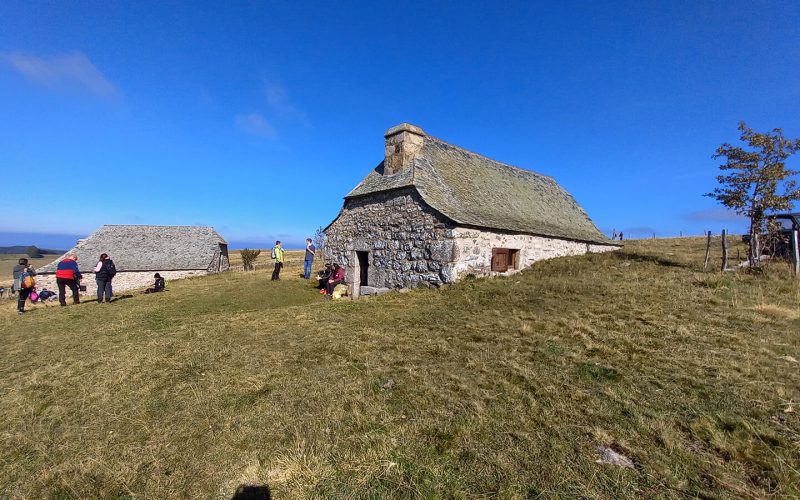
(337, 276)
(158, 286)
(323, 277)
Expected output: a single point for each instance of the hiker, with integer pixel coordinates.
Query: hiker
(310, 251)
(68, 275)
(614, 234)
(277, 255)
(2, 291)
(23, 283)
(104, 272)
(323, 277)
(620, 236)
(337, 276)
(158, 286)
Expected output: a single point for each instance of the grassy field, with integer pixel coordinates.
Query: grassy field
(8, 261)
(502, 387)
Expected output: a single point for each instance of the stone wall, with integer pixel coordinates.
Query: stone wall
(407, 241)
(123, 281)
(473, 250)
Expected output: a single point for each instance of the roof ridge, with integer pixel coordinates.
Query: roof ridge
(154, 225)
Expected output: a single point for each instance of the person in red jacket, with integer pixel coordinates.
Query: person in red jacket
(68, 275)
(337, 276)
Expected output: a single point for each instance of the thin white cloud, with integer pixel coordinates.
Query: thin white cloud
(62, 71)
(256, 124)
(279, 103)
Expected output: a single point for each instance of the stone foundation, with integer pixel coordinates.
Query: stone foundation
(123, 281)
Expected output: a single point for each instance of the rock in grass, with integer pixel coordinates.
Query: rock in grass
(610, 456)
(388, 385)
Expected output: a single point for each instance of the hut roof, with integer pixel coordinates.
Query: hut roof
(474, 190)
(147, 248)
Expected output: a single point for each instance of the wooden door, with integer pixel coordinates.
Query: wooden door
(500, 259)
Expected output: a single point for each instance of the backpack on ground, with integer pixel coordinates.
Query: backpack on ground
(110, 268)
(26, 280)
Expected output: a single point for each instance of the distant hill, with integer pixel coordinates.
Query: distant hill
(20, 249)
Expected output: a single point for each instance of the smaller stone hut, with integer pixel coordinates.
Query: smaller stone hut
(140, 251)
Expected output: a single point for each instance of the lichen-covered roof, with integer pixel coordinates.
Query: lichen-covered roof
(147, 248)
(473, 190)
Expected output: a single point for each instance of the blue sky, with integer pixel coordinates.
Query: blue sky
(257, 118)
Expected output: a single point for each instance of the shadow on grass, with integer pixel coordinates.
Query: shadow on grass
(655, 259)
(252, 492)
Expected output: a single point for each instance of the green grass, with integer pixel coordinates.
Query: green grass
(503, 387)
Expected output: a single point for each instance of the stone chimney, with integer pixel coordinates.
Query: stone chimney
(403, 142)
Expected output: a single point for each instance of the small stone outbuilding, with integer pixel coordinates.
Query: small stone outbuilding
(431, 213)
(140, 251)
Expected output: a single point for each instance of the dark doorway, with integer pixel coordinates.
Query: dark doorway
(363, 266)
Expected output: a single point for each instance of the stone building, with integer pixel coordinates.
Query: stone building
(431, 213)
(139, 252)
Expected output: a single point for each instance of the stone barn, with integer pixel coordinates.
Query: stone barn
(139, 252)
(431, 213)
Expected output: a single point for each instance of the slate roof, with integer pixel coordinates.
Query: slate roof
(147, 248)
(473, 190)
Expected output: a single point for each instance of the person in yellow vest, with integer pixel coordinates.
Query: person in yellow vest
(277, 256)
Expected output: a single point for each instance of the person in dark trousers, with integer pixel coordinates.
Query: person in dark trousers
(68, 275)
(158, 286)
(277, 255)
(323, 277)
(311, 250)
(337, 276)
(104, 272)
(19, 269)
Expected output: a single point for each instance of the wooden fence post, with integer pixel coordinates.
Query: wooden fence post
(708, 251)
(724, 249)
(795, 254)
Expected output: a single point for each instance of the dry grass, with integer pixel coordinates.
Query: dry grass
(503, 387)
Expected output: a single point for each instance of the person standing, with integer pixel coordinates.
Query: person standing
(310, 251)
(277, 255)
(68, 275)
(19, 272)
(104, 272)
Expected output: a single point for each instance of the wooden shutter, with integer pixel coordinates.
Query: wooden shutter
(500, 259)
(513, 257)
